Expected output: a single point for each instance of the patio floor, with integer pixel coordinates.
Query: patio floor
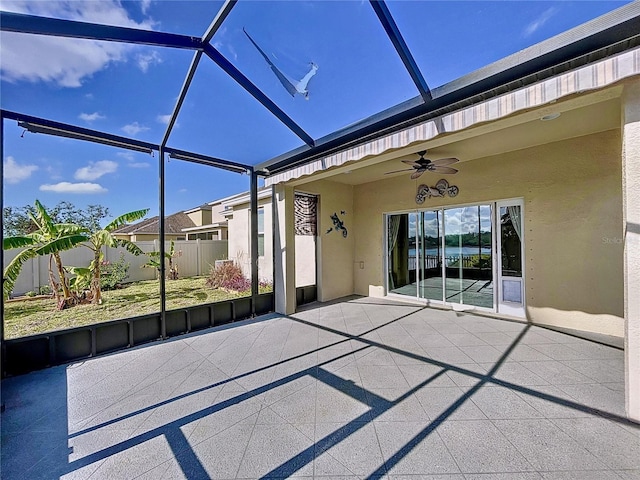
(360, 388)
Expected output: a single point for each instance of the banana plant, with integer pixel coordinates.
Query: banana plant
(49, 239)
(154, 261)
(104, 238)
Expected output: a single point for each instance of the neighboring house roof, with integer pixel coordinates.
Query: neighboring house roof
(244, 197)
(204, 206)
(173, 224)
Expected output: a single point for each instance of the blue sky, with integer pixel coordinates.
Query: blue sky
(130, 90)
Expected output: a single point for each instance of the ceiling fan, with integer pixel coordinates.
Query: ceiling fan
(425, 165)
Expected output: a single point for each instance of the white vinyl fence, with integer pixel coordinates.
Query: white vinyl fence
(193, 258)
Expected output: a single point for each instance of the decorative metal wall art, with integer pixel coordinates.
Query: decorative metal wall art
(440, 189)
(338, 225)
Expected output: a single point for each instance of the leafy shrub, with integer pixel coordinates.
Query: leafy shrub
(228, 275)
(114, 274)
(31, 293)
(45, 290)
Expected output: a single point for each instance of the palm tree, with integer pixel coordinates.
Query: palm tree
(103, 237)
(48, 239)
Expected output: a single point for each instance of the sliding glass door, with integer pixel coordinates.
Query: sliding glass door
(468, 259)
(430, 256)
(510, 249)
(443, 255)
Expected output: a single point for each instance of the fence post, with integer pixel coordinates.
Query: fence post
(198, 257)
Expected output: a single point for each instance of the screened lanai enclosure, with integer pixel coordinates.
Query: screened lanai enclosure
(338, 102)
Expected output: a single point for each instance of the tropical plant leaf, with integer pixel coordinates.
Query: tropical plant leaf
(13, 270)
(126, 218)
(69, 229)
(60, 244)
(18, 242)
(43, 220)
(130, 247)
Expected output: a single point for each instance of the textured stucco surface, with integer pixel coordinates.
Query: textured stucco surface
(573, 218)
(631, 185)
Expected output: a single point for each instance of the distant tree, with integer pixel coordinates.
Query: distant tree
(18, 221)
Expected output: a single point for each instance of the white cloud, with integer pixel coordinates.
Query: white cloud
(145, 60)
(68, 187)
(14, 172)
(139, 165)
(134, 128)
(144, 5)
(96, 170)
(183, 190)
(90, 117)
(539, 22)
(126, 155)
(164, 119)
(64, 61)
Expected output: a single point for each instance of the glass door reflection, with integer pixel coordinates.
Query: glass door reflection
(467, 256)
(430, 285)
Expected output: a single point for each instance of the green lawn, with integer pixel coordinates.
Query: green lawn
(28, 317)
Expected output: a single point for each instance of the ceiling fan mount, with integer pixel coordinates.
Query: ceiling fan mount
(426, 165)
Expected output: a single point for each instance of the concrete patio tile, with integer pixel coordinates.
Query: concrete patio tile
(333, 405)
(221, 454)
(582, 475)
(551, 401)
(504, 476)
(464, 339)
(532, 337)
(437, 401)
(407, 450)
(376, 377)
(448, 355)
(478, 326)
(418, 374)
(387, 407)
(170, 409)
(556, 373)
(443, 328)
(277, 450)
(594, 351)
(497, 338)
(376, 356)
(134, 460)
(546, 447)
(628, 474)
(597, 396)
(602, 371)
(558, 351)
(454, 476)
(478, 446)
(352, 448)
(526, 353)
(516, 373)
(167, 470)
(501, 403)
(432, 340)
(614, 446)
(299, 407)
(467, 374)
(484, 353)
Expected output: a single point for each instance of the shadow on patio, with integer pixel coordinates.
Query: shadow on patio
(356, 388)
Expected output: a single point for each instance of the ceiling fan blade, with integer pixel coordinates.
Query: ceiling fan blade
(417, 173)
(444, 170)
(411, 162)
(403, 170)
(444, 161)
